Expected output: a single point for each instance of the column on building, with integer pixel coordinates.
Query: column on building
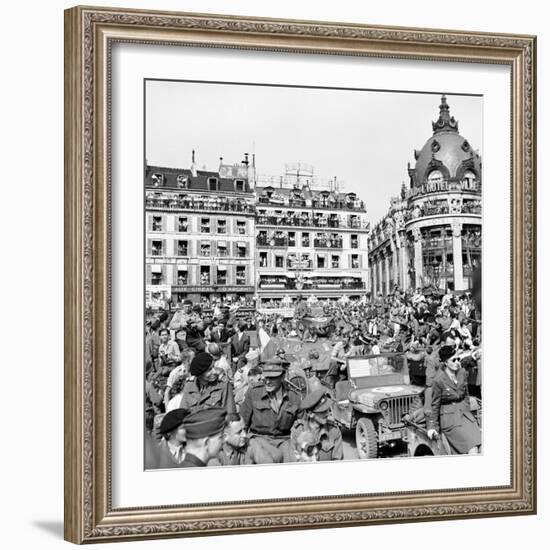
(403, 260)
(386, 273)
(456, 227)
(380, 277)
(377, 274)
(395, 260)
(372, 269)
(418, 263)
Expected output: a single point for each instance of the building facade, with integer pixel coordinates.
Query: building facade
(220, 234)
(199, 232)
(431, 235)
(310, 240)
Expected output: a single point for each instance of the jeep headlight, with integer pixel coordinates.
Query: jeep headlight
(383, 405)
(367, 400)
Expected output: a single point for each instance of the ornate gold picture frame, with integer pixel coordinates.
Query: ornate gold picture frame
(90, 34)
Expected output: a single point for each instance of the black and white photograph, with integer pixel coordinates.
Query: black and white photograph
(312, 274)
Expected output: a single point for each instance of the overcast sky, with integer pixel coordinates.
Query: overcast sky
(364, 138)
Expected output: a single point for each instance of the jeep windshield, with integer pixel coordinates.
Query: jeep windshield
(386, 369)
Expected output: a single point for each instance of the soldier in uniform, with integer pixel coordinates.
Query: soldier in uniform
(204, 389)
(450, 411)
(314, 418)
(268, 412)
(172, 444)
(204, 433)
(184, 317)
(235, 443)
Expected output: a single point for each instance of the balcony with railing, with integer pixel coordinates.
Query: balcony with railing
(307, 221)
(272, 241)
(430, 243)
(336, 243)
(213, 204)
(354, 205)
(325, 283)
(471, 208)
(427, 209)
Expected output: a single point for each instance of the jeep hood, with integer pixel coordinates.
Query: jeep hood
(383, 392)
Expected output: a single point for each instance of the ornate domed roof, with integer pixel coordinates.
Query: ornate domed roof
(446, 151)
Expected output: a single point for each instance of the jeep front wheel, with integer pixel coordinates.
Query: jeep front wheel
(365, 438)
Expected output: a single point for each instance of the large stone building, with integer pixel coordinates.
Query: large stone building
(199, 232)
(431, 234)
(224, 234)
(311, 240)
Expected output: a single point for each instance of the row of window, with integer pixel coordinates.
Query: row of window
(318, 219)
(305, 239)
(300, 262)
(201, 275)
(183, 247)
(183, 224)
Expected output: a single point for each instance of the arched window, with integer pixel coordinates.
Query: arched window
(435, 176)
(470, 179)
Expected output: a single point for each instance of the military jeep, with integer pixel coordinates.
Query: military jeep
(373, 401)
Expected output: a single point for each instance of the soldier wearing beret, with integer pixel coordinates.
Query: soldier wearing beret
(204, 389)
(268, 412)
(172, 445)
(314, 418)
(204, 433)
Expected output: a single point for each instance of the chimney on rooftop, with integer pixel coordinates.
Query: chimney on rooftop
(193, 165)
(245, 161)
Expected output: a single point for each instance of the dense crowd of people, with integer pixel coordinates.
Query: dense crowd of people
(217, 385)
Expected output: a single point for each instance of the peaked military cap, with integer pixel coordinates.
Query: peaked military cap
(317, 400)
(204, 423)
(446, 352)
(274, 367)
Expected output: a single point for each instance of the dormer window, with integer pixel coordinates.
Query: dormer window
(182, 182)
(435, 176)
(157, 180)
(212, 184)
(470, 179)
(239, 185)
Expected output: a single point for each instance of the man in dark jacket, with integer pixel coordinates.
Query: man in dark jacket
(240, 345)
(219, 334)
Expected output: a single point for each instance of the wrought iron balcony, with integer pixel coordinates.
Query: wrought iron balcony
(328, 243)
(273, 241)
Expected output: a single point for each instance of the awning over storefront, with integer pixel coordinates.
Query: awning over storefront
(156, 268)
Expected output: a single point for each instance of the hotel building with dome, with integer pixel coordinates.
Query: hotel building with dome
(431, 235)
